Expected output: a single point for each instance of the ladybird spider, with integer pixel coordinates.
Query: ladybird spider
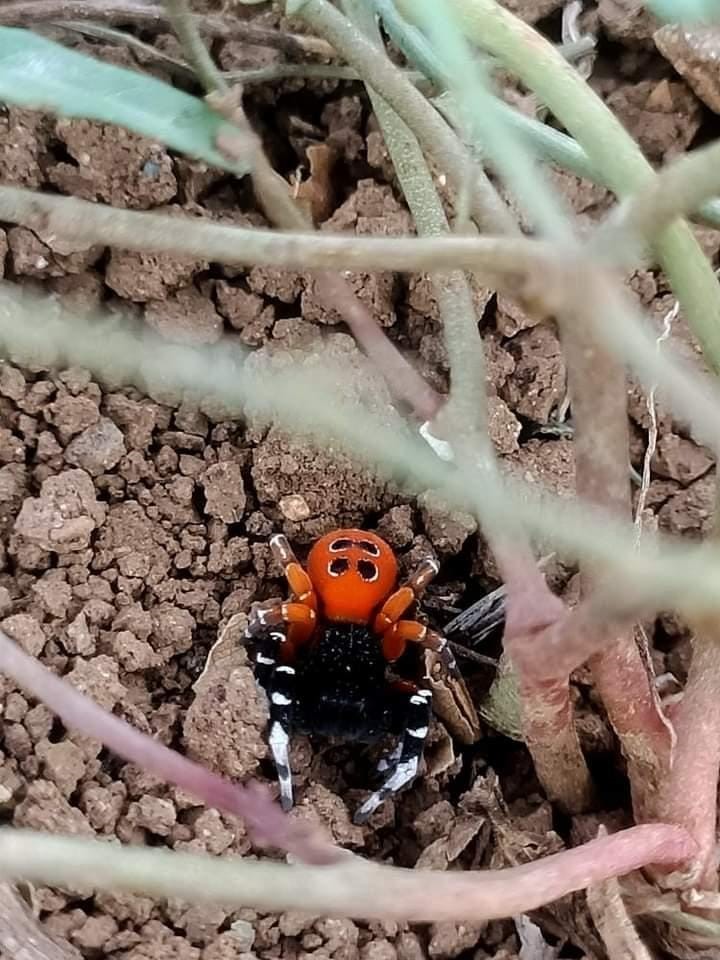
(323, 655)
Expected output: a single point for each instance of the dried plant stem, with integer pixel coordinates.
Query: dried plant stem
(504, 258)
(688, 795)
(554, 745)
(265, 820)
(662, 573)
(22, 937)
(274, 196)
(196, 53)
(24, 13)
(432, 132)
(512, 263)
(598, 387)
(674, 192)
(668, 320)
(350, 888)
(537, 63)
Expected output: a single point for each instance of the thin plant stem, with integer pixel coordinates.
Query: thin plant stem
(196, 53)
(661, 574)
(652, 440)
(265, 820)
(549, 143)
(514, 264)
(597, 384)
(537, 63)
(467, 407)
(98, 31)
(678, 189)
(22, 936)
(547, 213)
(432, 132)
(274, 196)
(565, 776)
(24, 13)
(553, 146)
(252, 75)
(688, 795)
(350, 888)
(504, 258)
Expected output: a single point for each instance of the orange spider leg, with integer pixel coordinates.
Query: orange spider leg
(297, 616)
(301, 589)
(399, 601)
(396, 638)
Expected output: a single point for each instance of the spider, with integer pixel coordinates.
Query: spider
(323, 656)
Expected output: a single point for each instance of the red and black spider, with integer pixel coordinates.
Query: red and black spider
(323, 656)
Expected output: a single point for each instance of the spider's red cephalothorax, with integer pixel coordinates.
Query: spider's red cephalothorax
(323, 655)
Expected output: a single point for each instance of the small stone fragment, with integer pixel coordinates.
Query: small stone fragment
(65, 514)
(224, 727)
(154, 814)
(447, 529)
(294, 507)
(98, 679)
(26, 632)
(224, 491)
(679, 459)
(185, 317)
(98, 448)
(537, 384)
(694, 52)
(63, 763)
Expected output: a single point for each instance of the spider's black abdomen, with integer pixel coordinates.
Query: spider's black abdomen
(341, 686)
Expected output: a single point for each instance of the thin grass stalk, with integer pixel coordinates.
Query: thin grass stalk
(433, 134)
(350, 888)
(610, 148)
(662, 573)
(275, 198)
(549, 726)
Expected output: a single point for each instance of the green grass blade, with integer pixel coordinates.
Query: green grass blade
(686, 11)
(40, 74)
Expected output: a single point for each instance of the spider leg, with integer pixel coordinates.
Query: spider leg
(399, 601)
(277, 613)
(389, 760)
(396, 638)
(299, 614)
(266, 656)
(419, 712)
(281, 693)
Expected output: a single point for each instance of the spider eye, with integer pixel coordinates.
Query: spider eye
(369, 547)
(367, 570)
(340, 544)
(338, 567)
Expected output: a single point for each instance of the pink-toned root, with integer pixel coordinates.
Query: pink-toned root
(533, 612)
(689, 793)
(551, 737)
(252, 802)
(350, 888)
(623, 682)
(405, 383)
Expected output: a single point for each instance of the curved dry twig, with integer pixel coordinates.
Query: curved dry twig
(265, 820)
(352, 887)
(25, 13)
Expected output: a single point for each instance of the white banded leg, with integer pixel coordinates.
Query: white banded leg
(408, 762)
(266, 656)
(390, 759)
(281, 693)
